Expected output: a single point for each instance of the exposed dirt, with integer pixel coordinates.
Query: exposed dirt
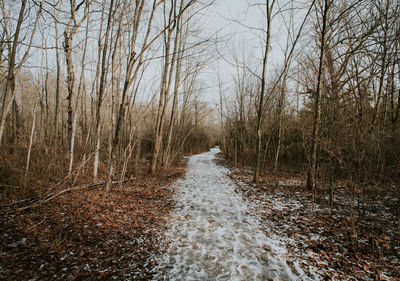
(90, 234)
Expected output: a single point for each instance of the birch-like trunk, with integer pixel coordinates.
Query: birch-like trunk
(79, 93)
(28, 158)
(179, 41)
(96, 87)
(164, 91)
(101, 89)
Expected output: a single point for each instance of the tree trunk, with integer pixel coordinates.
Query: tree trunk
(58, 82)
(9, 89)
(70, 84)
(101, 89)
(28, 158)
(76, 115)
(96, 87)
(312, 170)
(180, 51)
(69, 34)
(262, 92)
(165, 86)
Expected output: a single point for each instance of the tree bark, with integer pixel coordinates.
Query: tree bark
(69, 33)
(312, 170)
(180, 52)
(257, 171)
(158, 133)
(9, 89)
(101, 90)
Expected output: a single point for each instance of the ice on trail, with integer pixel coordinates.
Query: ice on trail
(213, 234)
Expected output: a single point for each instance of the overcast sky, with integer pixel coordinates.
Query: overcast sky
(235, 20)
(233, 23)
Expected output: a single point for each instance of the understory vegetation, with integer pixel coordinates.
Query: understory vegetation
(109, 87)
(101, 100)
(330, 115)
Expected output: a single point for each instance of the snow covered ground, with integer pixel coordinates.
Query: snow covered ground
(215, 235)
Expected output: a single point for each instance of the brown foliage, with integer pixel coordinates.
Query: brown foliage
(326, 239)
(90, 234)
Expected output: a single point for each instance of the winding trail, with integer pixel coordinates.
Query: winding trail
(214, 234)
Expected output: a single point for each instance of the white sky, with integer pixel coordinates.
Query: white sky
(237, 20)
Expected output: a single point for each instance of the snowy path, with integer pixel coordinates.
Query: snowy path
(213, 233)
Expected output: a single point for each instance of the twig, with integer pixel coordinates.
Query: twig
(36, 201)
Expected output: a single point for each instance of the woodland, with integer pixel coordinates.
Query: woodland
(102, 102)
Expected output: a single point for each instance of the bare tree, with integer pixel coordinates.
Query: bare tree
(269, 5)
(69, 33)
(130, 75)
(79, 93)
(13, 68)
(312, 170)
(101, 88)
(179, 49)
(168, 67)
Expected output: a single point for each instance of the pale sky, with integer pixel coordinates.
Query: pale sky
(237, 20)
(234, 23)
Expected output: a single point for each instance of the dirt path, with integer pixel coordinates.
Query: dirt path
(214, 234)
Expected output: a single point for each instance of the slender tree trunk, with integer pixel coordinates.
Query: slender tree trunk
(257, 171)
(69, 33)
(279, 140)
(46, 123)
(95, 86)
(312, 170)
(72, 145)
(9, 89)
(137, 153)
(221, 109)
(128, 152)
(164, 91)
(384, 66)
(101, 90)
(70, 84)
(58, 82)
(180, 51)
(79, 93)
(28, 158)
(235, 149)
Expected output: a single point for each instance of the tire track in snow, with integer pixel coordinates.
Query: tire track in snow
(213, 235)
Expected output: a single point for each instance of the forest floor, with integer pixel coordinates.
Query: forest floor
(324, 242)
(200, 222)
(89, 234)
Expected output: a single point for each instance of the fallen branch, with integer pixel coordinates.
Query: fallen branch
(35, 201)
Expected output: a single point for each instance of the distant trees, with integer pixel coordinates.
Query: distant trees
(98, 88)
(119, 81)
(332, 108)
(10, 44)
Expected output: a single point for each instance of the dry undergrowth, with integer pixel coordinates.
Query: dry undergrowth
(90, 234)
(324, 241)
